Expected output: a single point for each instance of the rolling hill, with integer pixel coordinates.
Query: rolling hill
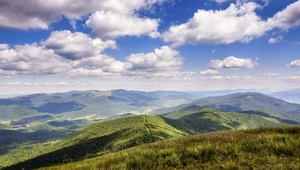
(97, 139)
(63, 114)
(275, 148)
(113, 135)
(197, 119)
(42, 144)
(95, 104)
(250, 103)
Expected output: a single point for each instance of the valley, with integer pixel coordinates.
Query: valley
(60, 129)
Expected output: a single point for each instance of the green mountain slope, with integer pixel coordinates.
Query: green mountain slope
(197, 119)
(101, 138)
(250, 103)
(69, 112)
(277, 148)
(82, 103)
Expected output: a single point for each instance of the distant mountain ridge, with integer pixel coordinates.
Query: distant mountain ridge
(92, 103)
(70, 112)
(288, 95)
(246, 102)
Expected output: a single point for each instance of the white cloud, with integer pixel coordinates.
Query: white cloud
(209, 72)
(32, 14)
(221, 1)
(155, 34)
(236, 78)
(265, 2)
(237, 23)
(36, 14)
(101, 62)
(163, 59)
(163, 62)
(117, 25)
(76, 45)
(292, 79)
(217, 77)
(275, 40)
(295, 63)
(4, 46)
(53, 57)
(287, 18)
(233, 62)
(73, 24)
(31, 59)
(174, 75)
(83, 72)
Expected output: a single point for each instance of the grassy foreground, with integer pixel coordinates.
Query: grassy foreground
(99, 139)
(264, 148)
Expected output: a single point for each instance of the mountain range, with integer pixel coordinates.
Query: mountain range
(288, 95)
(50, 129)
(250, 102)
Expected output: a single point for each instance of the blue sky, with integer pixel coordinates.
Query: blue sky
(62, 45)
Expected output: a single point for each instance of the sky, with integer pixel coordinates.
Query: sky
(183, 45)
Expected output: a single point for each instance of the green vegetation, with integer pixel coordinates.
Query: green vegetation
(250, 103)
(102, 138)
(22, 152)
(78, 104)
(114, 135)
(15, 112)
(18, 146)
(38, 149)
(60, 114)
(264, 148)
(196, 119)
(4, 126)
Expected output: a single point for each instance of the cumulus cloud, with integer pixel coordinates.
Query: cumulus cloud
(76, 45)
(237, 23)
(163, 58)
(295, 63)
(62, 53)
(287, 18)
(162, 62)
(30, 59)
(209, 72)
(33, 14)
(4, 46)
(34, 59)
(233, 62)
(108, 16)
(117, 25)
(78, 55)
(98, 65)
